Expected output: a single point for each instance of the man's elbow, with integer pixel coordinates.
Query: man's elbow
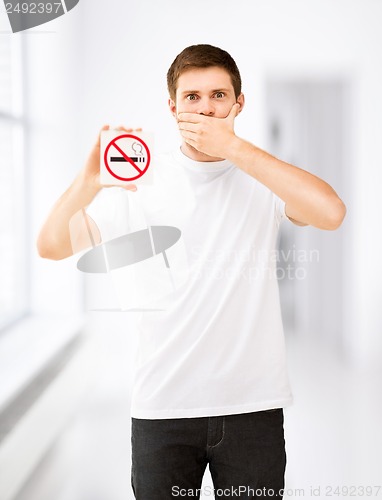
(47, 250)
(336, 214)
(44, 251)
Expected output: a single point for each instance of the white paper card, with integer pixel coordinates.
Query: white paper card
(126, 158)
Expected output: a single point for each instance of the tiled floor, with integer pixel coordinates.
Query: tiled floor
(333, 431)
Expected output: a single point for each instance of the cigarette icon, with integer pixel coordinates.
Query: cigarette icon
(136, 159)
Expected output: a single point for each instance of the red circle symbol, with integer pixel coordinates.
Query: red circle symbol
(126, 158)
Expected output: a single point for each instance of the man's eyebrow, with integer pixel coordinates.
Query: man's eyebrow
(221, 90)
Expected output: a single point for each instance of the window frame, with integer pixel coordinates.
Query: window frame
(16, 120)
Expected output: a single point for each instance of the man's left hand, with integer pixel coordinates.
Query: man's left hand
(208, 134)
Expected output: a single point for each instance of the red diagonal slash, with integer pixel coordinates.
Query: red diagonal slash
(125, 156)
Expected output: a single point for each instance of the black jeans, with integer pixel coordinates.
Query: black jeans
(245, 453)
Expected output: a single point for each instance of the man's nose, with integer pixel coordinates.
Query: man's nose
(206, 107)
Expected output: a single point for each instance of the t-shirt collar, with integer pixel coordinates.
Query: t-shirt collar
(202, 166)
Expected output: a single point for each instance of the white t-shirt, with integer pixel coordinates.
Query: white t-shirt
(217, 347)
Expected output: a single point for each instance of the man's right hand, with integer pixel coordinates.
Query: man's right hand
(63, 234)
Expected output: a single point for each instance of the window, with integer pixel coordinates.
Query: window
(13, 199)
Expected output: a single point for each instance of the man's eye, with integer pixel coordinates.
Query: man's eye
(192, 97)
(219, 95)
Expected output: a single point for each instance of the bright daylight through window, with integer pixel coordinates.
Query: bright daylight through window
(13, 202)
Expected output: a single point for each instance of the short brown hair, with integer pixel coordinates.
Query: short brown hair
(202, 56)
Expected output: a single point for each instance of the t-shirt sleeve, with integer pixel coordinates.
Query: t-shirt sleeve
(110, 211)
(279, 209)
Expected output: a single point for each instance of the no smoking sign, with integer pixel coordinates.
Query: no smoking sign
(125, 158)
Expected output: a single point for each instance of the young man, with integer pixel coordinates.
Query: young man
(211, 380)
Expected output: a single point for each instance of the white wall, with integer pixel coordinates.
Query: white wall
(109, 62)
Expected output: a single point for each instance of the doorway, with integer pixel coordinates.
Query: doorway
(308, 125)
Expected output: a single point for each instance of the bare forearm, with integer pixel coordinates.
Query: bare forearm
(54, 239)
(308, 198)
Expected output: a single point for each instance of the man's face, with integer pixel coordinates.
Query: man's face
(206, 91)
